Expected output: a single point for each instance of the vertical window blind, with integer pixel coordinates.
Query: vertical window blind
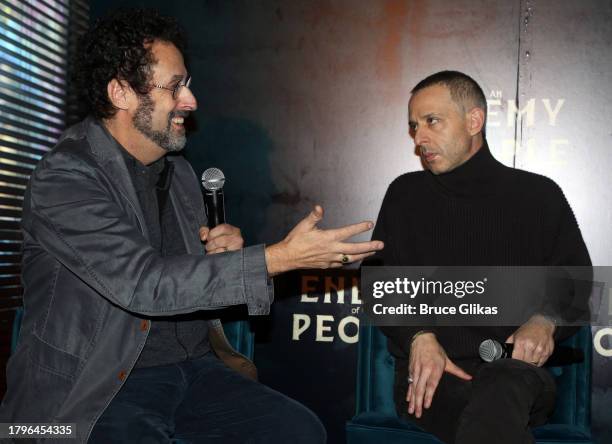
(37, 39)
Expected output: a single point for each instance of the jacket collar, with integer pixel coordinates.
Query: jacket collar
(109, 155)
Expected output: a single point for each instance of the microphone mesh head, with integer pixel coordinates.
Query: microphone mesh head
(489, 350)
(213, 179)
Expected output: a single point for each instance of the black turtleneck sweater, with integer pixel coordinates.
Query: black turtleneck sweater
(481, 213)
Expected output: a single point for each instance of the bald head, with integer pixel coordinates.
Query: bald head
(464, 90)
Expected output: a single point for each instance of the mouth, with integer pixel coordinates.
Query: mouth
(427, 155)
(178, 122)
(430, 157)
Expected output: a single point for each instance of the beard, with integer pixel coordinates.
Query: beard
(167, 139)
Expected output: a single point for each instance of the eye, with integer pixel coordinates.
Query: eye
(432, 120)
(412, 126)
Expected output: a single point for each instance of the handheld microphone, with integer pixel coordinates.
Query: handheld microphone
(491, 350)
(213, 181)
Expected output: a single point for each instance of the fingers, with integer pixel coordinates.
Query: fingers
(416, 405)
(412, 391)
(350, 230)
(310, 221)
(453, 369)
(549, 351)
(409, 395)
(414, 372)
(204, 233)
(532, 351)
(224, 243)
(222, 238)
(353, 252)
(430, 390)
(217, 250)
(533, 341)
(307, 246)
(523, 352)
(357, 257)
(359, 247)
(519, 351)
(424, 389)
(345, 259)
(427, 363)
(222, 230)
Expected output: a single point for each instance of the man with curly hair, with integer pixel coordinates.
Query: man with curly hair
(115, 336)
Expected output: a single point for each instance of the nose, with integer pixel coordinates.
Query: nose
(420, 136)
(187, 100)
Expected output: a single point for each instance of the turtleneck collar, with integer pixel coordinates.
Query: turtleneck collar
(476, 177)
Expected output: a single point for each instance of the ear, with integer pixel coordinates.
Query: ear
(475, 121)
(119, 94)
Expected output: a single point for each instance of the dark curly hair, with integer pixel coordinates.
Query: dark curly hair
(117, 47)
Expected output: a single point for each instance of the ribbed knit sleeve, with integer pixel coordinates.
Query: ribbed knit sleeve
(567, 252)
(399, 337)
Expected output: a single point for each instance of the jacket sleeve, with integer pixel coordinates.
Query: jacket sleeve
(72, 213)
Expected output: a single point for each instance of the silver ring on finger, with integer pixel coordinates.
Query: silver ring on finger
(410, 380)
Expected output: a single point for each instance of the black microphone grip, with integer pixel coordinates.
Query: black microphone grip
(215, 207)
(561, 355)
(507, 350)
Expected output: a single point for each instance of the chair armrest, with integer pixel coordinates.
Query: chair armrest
(224, 351)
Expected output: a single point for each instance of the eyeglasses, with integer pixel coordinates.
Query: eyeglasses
(176, 90)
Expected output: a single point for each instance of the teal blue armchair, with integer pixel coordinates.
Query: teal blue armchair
(376, 420)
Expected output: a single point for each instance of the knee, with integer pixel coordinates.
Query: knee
(512, 370)
(309, 427)
(302, 426)
(508, 377)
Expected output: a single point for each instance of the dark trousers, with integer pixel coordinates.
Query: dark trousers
(203, 401)
(500, 404)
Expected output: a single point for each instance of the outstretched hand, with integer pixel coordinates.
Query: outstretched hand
(308, 246)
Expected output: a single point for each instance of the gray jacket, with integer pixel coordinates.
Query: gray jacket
(89, 270)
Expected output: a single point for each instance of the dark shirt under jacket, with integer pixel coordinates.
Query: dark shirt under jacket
(177, 338)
